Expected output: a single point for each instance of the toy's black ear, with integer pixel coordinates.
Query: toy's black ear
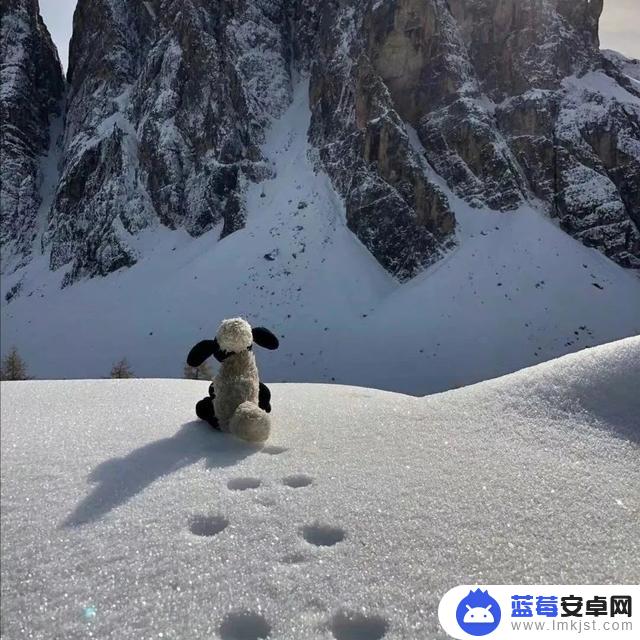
(218, 353)
(264, 338)
(201, 352)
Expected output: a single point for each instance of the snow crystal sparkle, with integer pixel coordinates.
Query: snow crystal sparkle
(89, 613)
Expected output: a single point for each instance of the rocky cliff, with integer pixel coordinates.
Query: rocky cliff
(167, 104)
(512, 101)
(414, 103)
(30, 93)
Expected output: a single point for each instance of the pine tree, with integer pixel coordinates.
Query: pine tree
(13, 367)
(122, 369)
(198, 373)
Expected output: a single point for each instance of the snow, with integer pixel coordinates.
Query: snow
(123, 518)
(150, 9)
(604, 86)
(629, 66)
(516, 291)
(50, 176)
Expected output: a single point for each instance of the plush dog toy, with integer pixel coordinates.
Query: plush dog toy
(238, 402)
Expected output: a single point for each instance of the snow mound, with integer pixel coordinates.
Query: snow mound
(123, 517)
(597, 385)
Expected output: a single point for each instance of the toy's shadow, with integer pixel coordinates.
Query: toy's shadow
(120, 479)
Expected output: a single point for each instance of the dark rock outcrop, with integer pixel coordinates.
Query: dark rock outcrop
(31, 90)
(167, 105)
(392, 204)
(513, 102)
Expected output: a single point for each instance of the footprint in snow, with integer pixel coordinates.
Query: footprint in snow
(244, 625)
(347, 625)
(273, 450)
(207, 526)
(322, 535)
(293, 558)
(242, 484)
(297, 481)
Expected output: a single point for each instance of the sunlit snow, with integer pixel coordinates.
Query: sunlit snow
(123, 517)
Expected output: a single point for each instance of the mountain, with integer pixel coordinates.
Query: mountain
(31, 90)
(515, 290)
(362, 177)
(166, 105)
(512, 102)
(362, 510)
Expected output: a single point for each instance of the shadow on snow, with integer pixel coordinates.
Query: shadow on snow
(120, 479)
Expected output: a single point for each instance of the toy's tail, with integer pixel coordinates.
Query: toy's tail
(250, 423)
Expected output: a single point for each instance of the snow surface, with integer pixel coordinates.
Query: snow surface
(124, 518)
(600, 84)
(517, 291)
(629, 66)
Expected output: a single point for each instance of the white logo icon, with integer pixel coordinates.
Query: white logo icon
(478, 615)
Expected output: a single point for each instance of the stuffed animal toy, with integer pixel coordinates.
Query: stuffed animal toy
(238, 402)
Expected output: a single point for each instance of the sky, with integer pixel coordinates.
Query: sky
(619, 25)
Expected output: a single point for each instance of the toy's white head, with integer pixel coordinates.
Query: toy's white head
(234, 335)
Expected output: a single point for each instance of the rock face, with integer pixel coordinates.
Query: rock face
(512, 100)
(392, 201)
(414, 103)
(167, 104)
(30, 92)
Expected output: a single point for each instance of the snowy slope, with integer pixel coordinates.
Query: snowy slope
(516, 291)
(123, 518)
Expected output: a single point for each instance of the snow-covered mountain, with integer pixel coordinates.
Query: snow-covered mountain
(124, 518)
(515, 290)
(31, 88)
(387, 185)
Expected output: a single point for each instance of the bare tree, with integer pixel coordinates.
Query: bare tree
(13, 367)
(122, 369)
(198, 373)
